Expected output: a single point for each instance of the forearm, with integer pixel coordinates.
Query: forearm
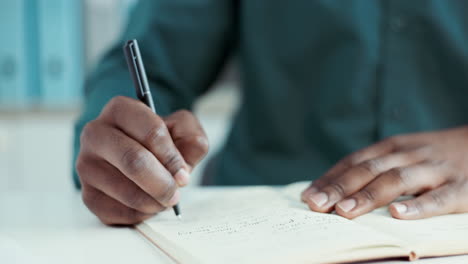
(183, 45)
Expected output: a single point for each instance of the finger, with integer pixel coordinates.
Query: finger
(390, 185)
(188, 136)
(371, 152)
(109, 180)
(138, 121)
(108, 210)
(130, 158)
(360, 175)
(440, 201)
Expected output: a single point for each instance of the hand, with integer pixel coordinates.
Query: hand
(132, 161)
(432, 166)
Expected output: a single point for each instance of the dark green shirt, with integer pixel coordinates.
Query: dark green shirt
(320, 78)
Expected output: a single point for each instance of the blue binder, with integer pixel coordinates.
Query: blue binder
(61, 52)
(18, 54)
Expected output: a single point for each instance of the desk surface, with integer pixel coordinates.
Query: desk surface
(57, 228)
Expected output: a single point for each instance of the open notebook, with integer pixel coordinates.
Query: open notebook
(271, 225)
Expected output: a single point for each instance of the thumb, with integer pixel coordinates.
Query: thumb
(188, 136)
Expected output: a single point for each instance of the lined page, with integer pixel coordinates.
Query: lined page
(259, 225)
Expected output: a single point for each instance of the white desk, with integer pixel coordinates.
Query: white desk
(58, 228)
(50, 228)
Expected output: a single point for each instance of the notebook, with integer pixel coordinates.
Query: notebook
(271, 225)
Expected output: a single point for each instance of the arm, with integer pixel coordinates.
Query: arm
(184, 44)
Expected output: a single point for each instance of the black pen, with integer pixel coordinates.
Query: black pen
(140, 81)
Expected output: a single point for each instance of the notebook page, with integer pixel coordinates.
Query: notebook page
(258, 225)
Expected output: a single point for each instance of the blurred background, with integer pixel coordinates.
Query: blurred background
(47, 48)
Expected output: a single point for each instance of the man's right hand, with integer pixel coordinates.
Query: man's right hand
(132, 161)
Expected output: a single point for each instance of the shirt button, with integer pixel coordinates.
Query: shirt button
(397, 23)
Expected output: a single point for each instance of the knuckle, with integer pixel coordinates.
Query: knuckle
(392, 142)
(136, 161)
(372, 166)
(418, 205)
(173, 161)
(116, 102)
(400, 140)
(338, 188)
(437, 199)
(81, 166)
(89, 197)
(184, 113)
(156, 134)
(85, 196)
(89, 131)
(114, 106)
(203, 144)
(352, 159)
(417, 153)
(199, 144)
(399, 177)
(368, 194)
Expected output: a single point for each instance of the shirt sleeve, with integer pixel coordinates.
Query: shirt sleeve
(184, 44)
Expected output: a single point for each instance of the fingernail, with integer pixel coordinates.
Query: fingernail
(182, 177)
(347, 205)
(319, 199)
(400, 208)
(175, 198)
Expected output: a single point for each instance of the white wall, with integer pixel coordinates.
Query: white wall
(35, 150)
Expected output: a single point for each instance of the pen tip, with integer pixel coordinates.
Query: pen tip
(179, 216)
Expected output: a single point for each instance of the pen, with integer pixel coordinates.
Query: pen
(140, 81)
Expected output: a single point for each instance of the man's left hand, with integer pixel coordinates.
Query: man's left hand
(432, 166)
